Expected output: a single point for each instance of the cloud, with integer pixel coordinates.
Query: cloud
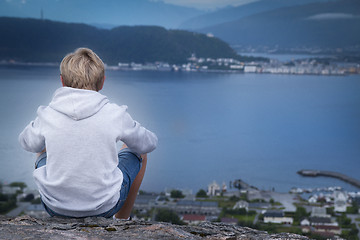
(208, 4)
(19, 1)
(332, 16)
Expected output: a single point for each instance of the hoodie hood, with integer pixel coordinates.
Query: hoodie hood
(77, 103)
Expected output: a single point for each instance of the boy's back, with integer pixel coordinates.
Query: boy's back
(80, 129)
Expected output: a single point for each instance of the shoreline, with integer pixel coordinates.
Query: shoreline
(258, 70)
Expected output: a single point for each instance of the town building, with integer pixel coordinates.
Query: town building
(334, 230)
(323, 221)
(340, 200)
(277, 217)
(9, 190)
(241, 204)
(145, 202)
(322, 230)
(36, 210)
(319, 212)
(197, 207)
(214, 189)
(193, 219)
(305, 222)
(313, 199)
(250, 69)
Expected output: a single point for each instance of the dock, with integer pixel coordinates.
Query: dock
(343, 177)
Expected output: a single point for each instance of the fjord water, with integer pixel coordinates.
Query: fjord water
(260, 128)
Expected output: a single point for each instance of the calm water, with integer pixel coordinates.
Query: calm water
(259, 128)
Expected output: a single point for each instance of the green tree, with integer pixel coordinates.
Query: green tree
(344, 221)
(350, 234)
(353, 209)
(36, 201)
(234, 199)
(167, 215)
(300, 213)
(8, 205)
(176, 194)
(18, 184)
(28, 197)
(330, 211)
(201, 194)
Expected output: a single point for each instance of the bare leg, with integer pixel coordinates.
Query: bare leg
(125, 211)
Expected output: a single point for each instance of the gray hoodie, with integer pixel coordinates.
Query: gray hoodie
(80, 129)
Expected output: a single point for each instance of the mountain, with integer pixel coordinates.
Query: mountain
(333, 24)
(33, 40)
(235, 13)
(101, 13)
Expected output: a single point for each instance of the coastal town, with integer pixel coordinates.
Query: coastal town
(307, 66)
(319, 213)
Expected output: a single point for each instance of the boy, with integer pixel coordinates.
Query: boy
(79, 172)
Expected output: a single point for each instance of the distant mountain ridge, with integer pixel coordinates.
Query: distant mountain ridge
(333, 24)
(33, 40)
(101, 13)
(235, 13)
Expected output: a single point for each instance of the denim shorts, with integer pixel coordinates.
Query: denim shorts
(129, 164)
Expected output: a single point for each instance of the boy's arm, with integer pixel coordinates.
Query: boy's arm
(31, 139)
(136, 137)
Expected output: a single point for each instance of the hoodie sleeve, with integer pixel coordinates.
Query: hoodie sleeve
(31, 139)
(136, 137)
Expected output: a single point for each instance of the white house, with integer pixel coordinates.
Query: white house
(7, 190)
(305, 222)
(277, 217)
(213, 189)
(319, 212)
(340, 199)
(250, 69)
(241, 204)
(313, 199)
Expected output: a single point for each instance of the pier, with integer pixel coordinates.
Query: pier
(315, 173)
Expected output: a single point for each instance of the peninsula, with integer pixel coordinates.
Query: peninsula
(36, 40)
(315, 173)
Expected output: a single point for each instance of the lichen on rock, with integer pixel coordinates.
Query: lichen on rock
(26, 227)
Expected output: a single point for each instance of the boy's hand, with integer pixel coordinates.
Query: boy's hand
(144, 157)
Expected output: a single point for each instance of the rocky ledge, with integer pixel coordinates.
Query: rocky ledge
(26, 227)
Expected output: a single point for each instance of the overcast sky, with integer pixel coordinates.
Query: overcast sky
(208, 4)
(200, 4)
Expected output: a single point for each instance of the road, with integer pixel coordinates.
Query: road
(286, 199)
(353, 220)
(21, 207)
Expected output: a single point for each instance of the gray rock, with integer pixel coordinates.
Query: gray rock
(26, 227)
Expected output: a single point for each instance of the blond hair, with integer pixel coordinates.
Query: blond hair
(82, 69)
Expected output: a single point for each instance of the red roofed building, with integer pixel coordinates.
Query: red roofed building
(322, 230)
(335, 230)
(193, 218)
